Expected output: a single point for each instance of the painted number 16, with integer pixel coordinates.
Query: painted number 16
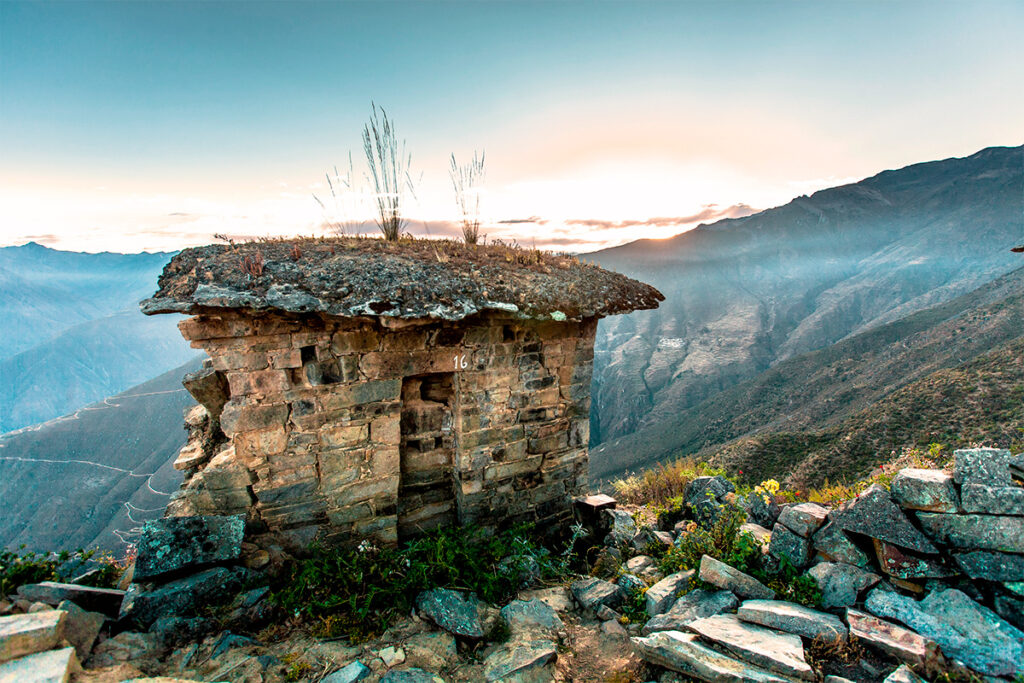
(461, 363)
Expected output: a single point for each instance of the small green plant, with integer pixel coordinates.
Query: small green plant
(663, 483)
(634, 607)
(722, 541)
(17, 569)
(357, 592)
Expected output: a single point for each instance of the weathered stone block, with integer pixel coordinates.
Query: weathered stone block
(975, 532)
(840, 584)
(779, 652)
(902, 564)
(991, 566)
(894, 640)
(209, 388)
(719, 574)
(171, 544)
(803, 519)
(793, 618)
(53, 666)
(104, 600)
(993, 500)
(989, 466)
(928, 490)
(25, 634)
(788, 545)
(832, 542)
(684, 653)
(661, 596)
(244, 418)
(875, 514)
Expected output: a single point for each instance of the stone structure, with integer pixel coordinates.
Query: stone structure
(364, 390)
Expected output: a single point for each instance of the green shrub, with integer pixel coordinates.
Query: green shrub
(357, 592)
(17, 569)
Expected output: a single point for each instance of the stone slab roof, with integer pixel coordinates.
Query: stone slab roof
(352, 277)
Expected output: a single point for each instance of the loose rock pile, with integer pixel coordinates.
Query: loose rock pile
(929, 573)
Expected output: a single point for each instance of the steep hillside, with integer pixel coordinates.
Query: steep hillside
(743, 295)
(73, 331)
(89, 478)
(978, 403)
(822, 388)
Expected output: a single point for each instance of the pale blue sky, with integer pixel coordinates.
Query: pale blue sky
(149, 125)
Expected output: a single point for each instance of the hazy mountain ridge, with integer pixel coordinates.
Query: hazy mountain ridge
(74, 333)
(744, 294)
(823, 388)
(116, 443)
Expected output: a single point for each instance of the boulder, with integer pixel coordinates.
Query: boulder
(779, 652)
(894, 640)
(639, 563)
(976, 623)
(875, 514)
(621, 527)
(557, 598)
(990, 466)
(840, 584)
(355, 671)
(53, 666)
(789, 545)
(903, 675)
(803, 518)
(519, 660)
(532, 619)
(697, 604)
(590, 593)
(723, 576)
(704, 495)
(25, 634)
(762, 509)
(980, 656)
(975, 532)
(833, 543)
(928, 490)
(682, 652)
(793, 618)
(452, 611)
(171, 544)
(903, 564)
(182, 596)
(81, 627)
(762, 535)
(103, 600)
(661, 595)
(992, 500)
(125, 647)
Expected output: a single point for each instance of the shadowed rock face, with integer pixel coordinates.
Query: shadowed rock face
(350, 277)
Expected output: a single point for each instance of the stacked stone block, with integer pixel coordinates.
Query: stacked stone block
(343, 429)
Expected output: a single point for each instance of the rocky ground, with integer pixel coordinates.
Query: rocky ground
(920, 581)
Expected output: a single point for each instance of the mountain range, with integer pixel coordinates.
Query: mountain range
(808, 341)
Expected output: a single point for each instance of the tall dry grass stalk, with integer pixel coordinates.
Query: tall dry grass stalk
(468, 181)
(389, 164)
(344, 215)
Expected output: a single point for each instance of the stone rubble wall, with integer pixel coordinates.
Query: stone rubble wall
(309, 442)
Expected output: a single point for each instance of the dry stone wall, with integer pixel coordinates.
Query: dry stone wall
(342, 429)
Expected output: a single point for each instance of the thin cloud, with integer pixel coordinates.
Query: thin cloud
(709, 212)
(532, 219)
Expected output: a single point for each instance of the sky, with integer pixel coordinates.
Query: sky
(129, 126)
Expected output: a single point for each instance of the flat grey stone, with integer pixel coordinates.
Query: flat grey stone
(661, 595)
(519, 660)
(786, 544)
(25, 634)
(803, 519)
(81, 627)
(719, 574)
(975, 532)
(992, 500)
(697, 604)
(875, 514)
(929, 490)
(591, 592)
(532, 618)
(452, 611)
(171, 544)
(53, 666)
(682, 652)
(356, 671)
(833, 543)
(976, 623)
(991, 566)
(894, 640)
(793, 618)
(411, 675)
(840, 584)
(903, 675)
(779, 652)
(104, 600)
(639, 563)
(979, 656)
(989, 466)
